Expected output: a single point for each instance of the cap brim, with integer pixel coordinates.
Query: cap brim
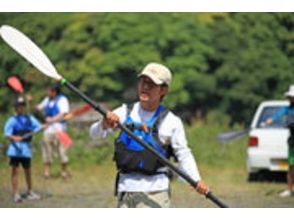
(155, 80)
(20, 103)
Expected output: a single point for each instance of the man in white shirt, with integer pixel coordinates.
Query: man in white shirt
(142, 180)
(55, 107)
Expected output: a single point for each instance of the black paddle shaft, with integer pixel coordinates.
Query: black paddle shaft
(162, 159)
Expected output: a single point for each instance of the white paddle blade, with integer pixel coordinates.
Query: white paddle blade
(29, 50)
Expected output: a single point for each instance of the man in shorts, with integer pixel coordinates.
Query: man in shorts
(20, 148)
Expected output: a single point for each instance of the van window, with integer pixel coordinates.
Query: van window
(268, 112)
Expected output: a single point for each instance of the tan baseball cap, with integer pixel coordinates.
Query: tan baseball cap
(290, 92)
(158, 73)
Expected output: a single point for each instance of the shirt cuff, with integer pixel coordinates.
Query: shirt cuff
(97, 131)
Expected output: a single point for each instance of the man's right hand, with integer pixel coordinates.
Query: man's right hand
(110, 120)
(16, 138)
(269, 121)
(29, 98)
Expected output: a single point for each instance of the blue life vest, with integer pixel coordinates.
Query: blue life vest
(53, 110)
(23, 126)
(130, 156)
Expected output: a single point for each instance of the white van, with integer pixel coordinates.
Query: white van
(267, 145)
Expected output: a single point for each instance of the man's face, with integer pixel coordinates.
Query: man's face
(148, 91)
(20, 109)
(51, 93)
(291, 99)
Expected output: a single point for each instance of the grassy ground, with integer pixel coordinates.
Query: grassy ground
(93, 173)
(93, 187)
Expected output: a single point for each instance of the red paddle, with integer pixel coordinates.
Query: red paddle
(15, 83)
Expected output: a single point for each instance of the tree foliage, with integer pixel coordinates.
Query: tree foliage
(227, 62)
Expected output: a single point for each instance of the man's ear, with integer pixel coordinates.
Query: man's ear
(163, 90)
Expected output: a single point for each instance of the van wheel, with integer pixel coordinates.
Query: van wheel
(252, 177)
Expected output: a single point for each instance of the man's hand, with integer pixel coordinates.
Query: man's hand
(49, 120)
(45, 125)
(29, 98)
(56, 118)
(15, 138)
(269, 121)
(266, 123)
(202, 188)
(110, 120)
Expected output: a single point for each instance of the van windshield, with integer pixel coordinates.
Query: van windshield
(268, 112)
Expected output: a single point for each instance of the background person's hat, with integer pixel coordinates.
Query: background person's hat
(290, 93)
(158, 73)
(20, 101)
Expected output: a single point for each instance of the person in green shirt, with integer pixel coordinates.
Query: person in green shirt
(287, 111)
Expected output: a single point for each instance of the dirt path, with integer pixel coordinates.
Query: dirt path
(93, 187)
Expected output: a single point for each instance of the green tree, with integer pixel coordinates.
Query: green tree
(252, 62)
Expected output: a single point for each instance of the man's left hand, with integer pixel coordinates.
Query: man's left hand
(202, 187)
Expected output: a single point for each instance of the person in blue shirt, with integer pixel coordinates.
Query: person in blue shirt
(20, 147)
(288, 112)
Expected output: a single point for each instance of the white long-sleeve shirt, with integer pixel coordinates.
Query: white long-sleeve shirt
(171, 131)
